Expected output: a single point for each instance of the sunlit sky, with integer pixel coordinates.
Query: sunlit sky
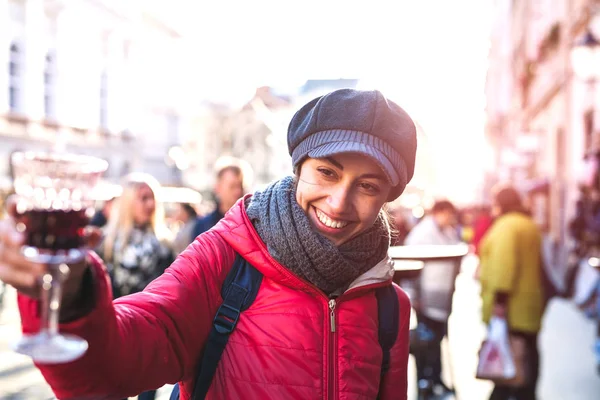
(428, 55)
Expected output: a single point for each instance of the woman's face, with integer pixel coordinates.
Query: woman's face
(144, 205)
(341, 195)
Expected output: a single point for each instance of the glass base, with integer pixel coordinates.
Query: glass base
(44, 348)
(52, 258)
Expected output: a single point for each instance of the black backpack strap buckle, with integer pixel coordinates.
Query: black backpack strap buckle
(229, 312)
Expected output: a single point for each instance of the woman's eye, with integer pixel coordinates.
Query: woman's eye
(326, 172)
(369, 187)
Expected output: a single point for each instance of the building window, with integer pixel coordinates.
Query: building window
(104, 101)
(49, 87)
(14, 71)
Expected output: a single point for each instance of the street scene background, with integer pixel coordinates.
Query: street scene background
(500, 90)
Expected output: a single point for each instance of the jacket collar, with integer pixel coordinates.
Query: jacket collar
(382, 272)
(237, 230)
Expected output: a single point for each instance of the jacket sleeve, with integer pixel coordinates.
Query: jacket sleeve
(395, 381)
(144, 340)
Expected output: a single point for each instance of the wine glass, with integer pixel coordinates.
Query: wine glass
(55, 197)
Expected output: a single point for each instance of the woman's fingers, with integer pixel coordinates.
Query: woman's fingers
(11, 242)
(11, 205)
(24, 282)
(15, 269)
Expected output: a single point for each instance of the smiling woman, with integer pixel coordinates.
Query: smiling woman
(324, 319)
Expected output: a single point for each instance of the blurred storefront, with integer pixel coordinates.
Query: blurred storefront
(95, 77)
(535, 110)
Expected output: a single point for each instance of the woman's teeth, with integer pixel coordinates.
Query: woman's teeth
(330, 222)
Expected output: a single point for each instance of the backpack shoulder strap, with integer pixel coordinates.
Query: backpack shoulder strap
(239, 292)
(388, 310)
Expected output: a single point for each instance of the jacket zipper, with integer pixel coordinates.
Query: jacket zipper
(332, 345)
(332, 351)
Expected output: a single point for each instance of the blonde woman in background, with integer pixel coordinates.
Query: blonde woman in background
(136, 246)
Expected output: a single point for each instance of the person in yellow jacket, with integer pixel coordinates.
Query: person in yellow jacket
(511, 281)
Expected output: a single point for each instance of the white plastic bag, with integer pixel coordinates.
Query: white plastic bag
(496, 362)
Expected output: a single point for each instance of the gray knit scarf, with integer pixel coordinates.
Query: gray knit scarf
(291, 240)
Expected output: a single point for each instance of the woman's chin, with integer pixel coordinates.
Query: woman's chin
(337, 239)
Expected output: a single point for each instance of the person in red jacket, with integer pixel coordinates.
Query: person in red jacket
(320, 240)
(483, 222)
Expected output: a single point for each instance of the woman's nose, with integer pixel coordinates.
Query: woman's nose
(338, 200)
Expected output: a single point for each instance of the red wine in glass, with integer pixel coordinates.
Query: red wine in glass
(54, 229)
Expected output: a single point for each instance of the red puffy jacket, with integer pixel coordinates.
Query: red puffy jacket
(282, 348)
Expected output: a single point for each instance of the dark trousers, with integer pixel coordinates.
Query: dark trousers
(429, 364)
(532, 358)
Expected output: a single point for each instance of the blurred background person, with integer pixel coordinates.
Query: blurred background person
(434, 304)
(483, 222)
(136, 243)
(185, 214)
(400, 224)
(511, 282)
(229, 187)
(465, 226)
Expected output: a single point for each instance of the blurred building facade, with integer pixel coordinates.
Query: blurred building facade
(253, 131)
(95, 77)
(534, 106)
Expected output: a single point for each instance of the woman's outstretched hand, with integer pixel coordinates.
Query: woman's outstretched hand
(25, 275)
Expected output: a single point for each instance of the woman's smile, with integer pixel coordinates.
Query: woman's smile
(333, 229)
(330, 222)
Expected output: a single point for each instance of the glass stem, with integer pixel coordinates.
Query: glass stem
(51, 297)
